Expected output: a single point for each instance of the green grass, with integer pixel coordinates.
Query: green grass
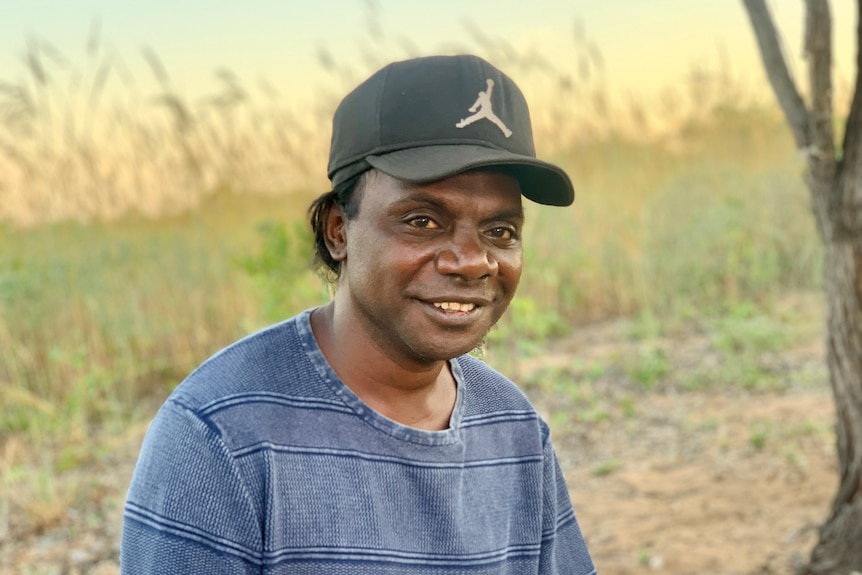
(648, 366)
(673, 233)
(99, 322)
(99, 314)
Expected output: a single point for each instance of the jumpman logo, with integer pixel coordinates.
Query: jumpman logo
(482, 108)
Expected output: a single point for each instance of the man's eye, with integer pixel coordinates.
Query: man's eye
(423, 222)
(503, 233)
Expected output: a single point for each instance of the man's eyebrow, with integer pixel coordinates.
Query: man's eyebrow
(509, 215)
(418, 198)
(427, 199)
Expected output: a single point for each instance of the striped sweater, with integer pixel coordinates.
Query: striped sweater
(263, 461)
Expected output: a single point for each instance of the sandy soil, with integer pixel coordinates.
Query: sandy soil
(716, 505)
(668, 480)
(720, 480)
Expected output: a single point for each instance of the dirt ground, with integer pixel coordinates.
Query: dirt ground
(711, 504)
(720, 480)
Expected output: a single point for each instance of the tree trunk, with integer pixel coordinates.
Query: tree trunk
(836, 200)
(839, 548)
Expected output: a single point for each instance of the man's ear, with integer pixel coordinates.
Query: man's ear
(335, 232)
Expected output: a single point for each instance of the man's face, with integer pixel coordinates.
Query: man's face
(430, 268)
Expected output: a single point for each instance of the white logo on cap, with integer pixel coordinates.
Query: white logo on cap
(482, 109)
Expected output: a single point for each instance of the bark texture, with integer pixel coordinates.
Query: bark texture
(834, 179)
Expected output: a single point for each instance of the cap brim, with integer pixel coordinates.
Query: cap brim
(540, 181)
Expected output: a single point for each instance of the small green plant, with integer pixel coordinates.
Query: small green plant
(758, 434)
(579, 392)
(751, 374)
(808, 427)
(650, 365)
(595, 413)
(643, 557)
(628, 407)
(594, 371)
(793, 455)
(282, 270)
(550, 379)
(699, 380)
(606, 467)
(559, 420)
(645, 326)
(527, 321)
(735, 334)
(702, 424)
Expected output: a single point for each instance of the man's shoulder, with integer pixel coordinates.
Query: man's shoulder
(266, 360)
(488, 389)
(493, 398)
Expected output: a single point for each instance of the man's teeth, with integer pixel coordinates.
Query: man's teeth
(455, 306)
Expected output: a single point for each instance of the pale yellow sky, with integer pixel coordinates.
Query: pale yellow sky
(646, 45)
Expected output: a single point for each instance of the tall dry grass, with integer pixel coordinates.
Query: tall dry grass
(86, 142)
(89, 141)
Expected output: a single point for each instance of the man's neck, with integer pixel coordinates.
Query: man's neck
(420, 395)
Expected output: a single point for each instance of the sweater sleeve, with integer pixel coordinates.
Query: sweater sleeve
(188, 509)
(564, 550)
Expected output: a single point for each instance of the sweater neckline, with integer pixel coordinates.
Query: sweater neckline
(361, 409)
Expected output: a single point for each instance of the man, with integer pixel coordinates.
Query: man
(359, 437)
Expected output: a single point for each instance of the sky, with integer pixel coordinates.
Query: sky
(646, 45)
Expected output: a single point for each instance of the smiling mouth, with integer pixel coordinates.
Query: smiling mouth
(455, 306)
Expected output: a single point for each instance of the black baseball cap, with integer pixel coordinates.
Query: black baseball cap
(426, 119)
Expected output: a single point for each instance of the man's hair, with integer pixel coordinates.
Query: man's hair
(346, 196)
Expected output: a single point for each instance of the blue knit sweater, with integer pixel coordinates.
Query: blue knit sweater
(263, 461)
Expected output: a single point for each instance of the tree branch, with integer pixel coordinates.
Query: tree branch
(777, 71)
(826, 193)
(818, 50)
(852, 145)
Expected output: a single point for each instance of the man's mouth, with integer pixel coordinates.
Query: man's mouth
(455, 306)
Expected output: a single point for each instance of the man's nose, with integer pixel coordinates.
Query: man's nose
(466, 255)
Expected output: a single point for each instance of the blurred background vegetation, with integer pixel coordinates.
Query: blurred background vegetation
(140, 233)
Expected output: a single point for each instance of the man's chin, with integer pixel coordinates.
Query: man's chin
(449, 350)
